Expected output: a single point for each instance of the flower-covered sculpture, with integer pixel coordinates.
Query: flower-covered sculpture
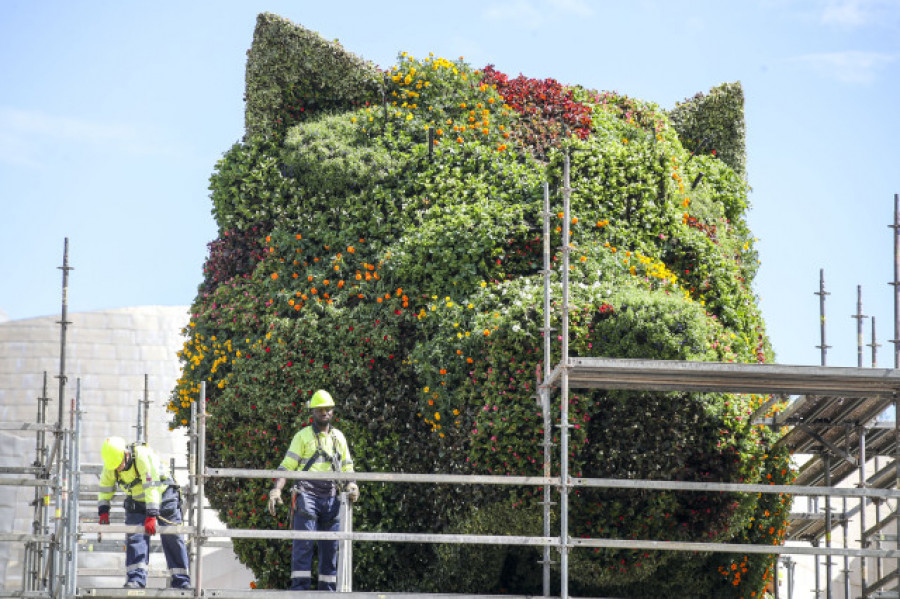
(380, 236)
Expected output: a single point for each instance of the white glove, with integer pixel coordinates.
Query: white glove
(274, 499)
(352, 492)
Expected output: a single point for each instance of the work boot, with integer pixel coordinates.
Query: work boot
(133, 585)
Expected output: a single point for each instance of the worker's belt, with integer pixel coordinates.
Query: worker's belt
(140, 507)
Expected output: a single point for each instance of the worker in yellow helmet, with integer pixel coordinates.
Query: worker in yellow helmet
(151, 496)
(316, 503)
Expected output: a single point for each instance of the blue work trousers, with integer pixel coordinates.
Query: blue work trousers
(137, 549)
(315, 513)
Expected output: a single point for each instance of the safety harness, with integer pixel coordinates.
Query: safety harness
(129, 501)
(334, 459)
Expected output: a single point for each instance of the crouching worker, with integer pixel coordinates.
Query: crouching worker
(315, 504)
(151, 498)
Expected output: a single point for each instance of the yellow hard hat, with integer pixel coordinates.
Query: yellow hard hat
(113, 452)
(321, 399)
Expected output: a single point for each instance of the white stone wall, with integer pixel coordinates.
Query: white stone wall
(110, 352)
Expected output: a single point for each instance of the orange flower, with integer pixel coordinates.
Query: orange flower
(274, 275)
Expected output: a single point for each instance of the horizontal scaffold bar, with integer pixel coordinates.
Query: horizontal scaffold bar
(26, 426)
(23, 537)
(103, 593)
(633, 544)
(242, 533)
(131, 593)
(675, 375)
(610, 483)
(24, 482)
(392, 477)
(667, 485)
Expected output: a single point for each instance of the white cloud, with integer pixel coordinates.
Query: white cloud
(575, 7)
(27, 134)
(857, 13)
(521, 12)
(850, 13)
(848, 67)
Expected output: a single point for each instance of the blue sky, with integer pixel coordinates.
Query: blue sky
(113, 115)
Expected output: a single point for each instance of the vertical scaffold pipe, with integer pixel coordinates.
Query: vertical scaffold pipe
(859, 316)
(201, 479)
(896, 342)
(874, 345)
(146, 406)
(58, 546)
(828, 522)
(896, 281)
(76, 485)
(863, 541)
(845, 524)
(897, 471)
(192, 483)
(823, 347)
(564, 394)
(545, 392)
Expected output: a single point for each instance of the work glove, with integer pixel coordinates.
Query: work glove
(352, 492)
(150, 525)
(274, 499)
(104, 518)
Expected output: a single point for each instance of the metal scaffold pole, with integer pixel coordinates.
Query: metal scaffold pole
(201, 481)
(145, 404)
(544, 395)
(896, 342)
(823, 347)
(863, 541)
(193, 471)
(564, 395)
(75, 480)
(896, 281)
(859, 316)
(874, 345)
(59, 537)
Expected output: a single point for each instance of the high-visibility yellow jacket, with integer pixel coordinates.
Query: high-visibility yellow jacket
(322, 452)
(145, 479)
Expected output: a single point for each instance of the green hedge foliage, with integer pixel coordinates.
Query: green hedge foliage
(714, 122)
(398, 268)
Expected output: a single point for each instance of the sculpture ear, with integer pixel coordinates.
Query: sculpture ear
(293, 74)
(714, 122)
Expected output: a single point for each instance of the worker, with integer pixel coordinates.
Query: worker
(152, 498)
(315, 504)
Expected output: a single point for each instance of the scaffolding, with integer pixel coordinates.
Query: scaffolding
(835, 418)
